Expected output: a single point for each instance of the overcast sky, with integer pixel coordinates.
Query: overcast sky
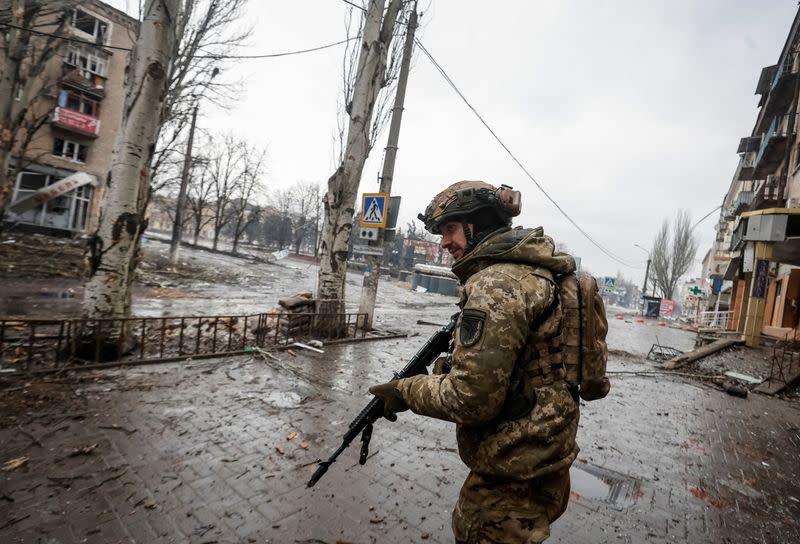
(624, 111)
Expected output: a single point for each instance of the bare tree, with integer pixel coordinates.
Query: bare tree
(354, 26)
(339, 201)
(198, 197)
(243, 206)
(673, 252)
(209, 32)
(415, 231)
(113, 249)
(305, 207)
(225, 171)
(279, 225)
(25, 93)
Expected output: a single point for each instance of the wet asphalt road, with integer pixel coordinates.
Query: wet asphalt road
(220, 451)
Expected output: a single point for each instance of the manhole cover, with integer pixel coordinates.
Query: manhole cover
(601, 484)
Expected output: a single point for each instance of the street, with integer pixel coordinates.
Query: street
(220, 450)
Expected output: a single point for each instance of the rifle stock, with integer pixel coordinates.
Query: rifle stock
(373, 411)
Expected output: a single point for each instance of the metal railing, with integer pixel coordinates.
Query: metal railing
(782, 125)
(36, 345)
(715, 320)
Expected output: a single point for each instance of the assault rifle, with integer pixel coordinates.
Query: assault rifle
(436, 344)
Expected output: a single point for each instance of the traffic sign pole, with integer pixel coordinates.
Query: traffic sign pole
(369, 289)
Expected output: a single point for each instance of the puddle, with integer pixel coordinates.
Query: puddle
(282, 399)
(600, 484)
(276, 399)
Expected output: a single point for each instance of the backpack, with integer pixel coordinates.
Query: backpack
(584, 329)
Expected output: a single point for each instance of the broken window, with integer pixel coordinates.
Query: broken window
(90, 63)
(68, 211)
(72, 151)
(91, 25)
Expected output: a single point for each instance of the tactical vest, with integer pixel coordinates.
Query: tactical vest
(541, 361)
(566, 343)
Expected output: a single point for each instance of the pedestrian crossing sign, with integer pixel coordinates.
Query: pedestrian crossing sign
(373, 210)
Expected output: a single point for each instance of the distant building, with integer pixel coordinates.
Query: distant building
(424, 252)
(691, 298)
(85, 98)
(756, 253)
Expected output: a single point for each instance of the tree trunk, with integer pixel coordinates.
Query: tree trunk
(339, 201)
(6, 180)
(113, 249)
(236, 234)
(11, 62)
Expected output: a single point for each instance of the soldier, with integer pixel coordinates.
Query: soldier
(503, 384)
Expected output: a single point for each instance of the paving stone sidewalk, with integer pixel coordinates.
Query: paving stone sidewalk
(220, 451)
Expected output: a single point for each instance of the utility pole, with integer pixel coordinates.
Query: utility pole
(177, 226)
(646, 276)
(369, 288)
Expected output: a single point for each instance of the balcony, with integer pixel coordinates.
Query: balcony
(781, 90)
(84, 80)
(77, 122)
(771, 194)
(765, 82)
(748, 147)
(738, 235)
(742, 202)
(772, 151)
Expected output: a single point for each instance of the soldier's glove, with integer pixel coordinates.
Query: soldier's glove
(392, 399)
(441, 365)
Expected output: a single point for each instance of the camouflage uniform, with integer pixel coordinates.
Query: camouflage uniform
(519, 479)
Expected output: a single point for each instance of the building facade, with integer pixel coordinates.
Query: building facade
(84, 97)
(756, 253)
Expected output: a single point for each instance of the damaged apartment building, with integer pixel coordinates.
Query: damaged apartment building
(57, 172)
(753, 268)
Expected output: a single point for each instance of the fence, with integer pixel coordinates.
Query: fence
(35, 345)
(715, 320)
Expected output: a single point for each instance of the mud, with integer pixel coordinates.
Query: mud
(221, 450)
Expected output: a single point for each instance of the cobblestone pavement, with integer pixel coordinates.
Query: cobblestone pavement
(221, 450)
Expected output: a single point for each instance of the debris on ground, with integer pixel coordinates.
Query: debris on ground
(736, 390)
(700, 353)
(86, 450)
(661, 353)
(14, 464)
(743, 377)
(308, 347)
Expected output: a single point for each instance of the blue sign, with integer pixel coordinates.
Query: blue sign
(760, 278)
(373, 210)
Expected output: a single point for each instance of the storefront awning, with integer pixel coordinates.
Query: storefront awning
(69, 183)
(732, 272)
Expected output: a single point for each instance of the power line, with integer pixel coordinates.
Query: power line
(705, 217)
(273, 55)
(447, 78)
(216, 57)
(354, 5)
(64, 38)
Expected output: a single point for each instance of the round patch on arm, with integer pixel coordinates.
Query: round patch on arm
(470, 331)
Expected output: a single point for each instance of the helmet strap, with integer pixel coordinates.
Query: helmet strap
(468, 235)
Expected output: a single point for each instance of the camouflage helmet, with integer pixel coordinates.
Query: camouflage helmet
(464, 198)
